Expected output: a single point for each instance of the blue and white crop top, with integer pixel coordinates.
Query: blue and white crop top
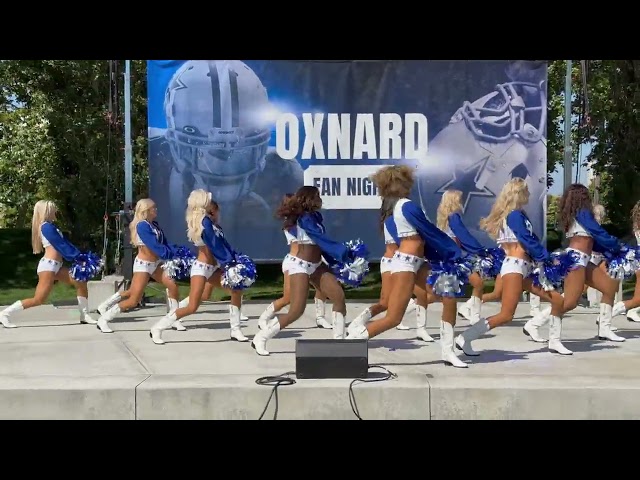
(403, 226)
(290, 235)
(577, 230)
(52, 237)
(506, 235)
(388, 239)
(45, 243)
(213, 237)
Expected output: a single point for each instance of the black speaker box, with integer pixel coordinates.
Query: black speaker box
(329, 358)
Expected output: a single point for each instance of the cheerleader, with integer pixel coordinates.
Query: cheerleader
(418, 239)
(585, 236)
(450, 222)
(632, 306)
(512, 230)
(214, 253)
(45, 237)
(153, 248)
(302, 212)
(423, 299)
(280, 303)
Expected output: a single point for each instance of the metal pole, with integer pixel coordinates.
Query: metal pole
(568, 157)
(127, 258)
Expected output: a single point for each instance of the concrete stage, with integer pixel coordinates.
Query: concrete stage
(51, 367)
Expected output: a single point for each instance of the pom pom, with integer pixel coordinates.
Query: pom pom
(86, 266)
(447, 278)
(487, 263)
(179, 267)
(549, 275)
(624, 264)
(239, 274)
(354, 272)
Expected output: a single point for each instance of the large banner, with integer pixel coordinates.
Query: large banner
(251, 131)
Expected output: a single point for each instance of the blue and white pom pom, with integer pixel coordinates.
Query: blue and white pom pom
(448, 278)
(623, 264)
(487, 263)
(179, 267)
(86, 266)
(353, 273)
(550, 275)
(239, 274)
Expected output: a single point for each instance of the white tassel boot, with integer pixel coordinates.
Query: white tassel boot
(103, 321)
(4, 315)
(259, 342)
(321, 321)
(633, 315)
(530, 328)
(83, 306)
(449, 356)
(338, 325)
(555, 336)
(173, 306)
(164, 323)
(463, 341)
(109, 302)
(267, 315)
(234, 320)
(475, 306)
(421, 322)
(604, 325)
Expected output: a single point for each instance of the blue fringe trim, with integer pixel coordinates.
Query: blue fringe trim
(354, 272)
(239, 274)
(179, 267)
(448, 278)
(86, 266)
(550, 274)
(624, 264)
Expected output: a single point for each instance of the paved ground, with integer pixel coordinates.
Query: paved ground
(52, 367)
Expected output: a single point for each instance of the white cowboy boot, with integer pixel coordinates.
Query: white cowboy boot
(531, 327)
(267, 315)
(83, 306)
(618, 309)
(103, 321)
(109, 302)
(633, 315)
(464, 309)
(338, 325)
(234, 321)
(604, 325)
(259, 342)
(357, 331)
(421, 322)
(321, 321)
(475, 306)
(449, 357)
(411, 306)
(173, 306)
(164, 323)
(4, 315)
(534, 304)
(463, 341)
(555, 335)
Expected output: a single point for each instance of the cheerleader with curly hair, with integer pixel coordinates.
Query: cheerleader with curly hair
(47, 238)
(632, 306)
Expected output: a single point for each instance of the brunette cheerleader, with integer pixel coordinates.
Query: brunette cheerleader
(302, 212)
(45, 236)
(418, 239)
(214, 253)
(450, 222)
(632, 306)
(423, 299)
(153, 250)
(509, 226)
(277, 305)
(585, 235)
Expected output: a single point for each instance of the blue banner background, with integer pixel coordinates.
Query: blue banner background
(470, 149)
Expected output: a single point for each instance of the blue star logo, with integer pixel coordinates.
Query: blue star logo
(465, 180)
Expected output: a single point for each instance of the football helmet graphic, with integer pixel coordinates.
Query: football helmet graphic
(217, 125)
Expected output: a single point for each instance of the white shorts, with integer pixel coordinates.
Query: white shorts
(516, 265)
(584, 258)
(49, 265)
(403, 262)
(201, 269)
(298, 265)
(142, 266)
(286, 263)
(596, 258)
(385, 264)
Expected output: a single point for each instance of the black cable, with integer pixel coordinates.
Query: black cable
(275, 381)
(352, 397)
